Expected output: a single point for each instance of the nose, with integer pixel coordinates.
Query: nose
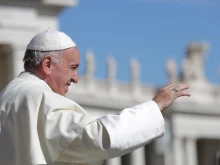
(75, 77)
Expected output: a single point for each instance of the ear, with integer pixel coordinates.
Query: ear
(47, 65)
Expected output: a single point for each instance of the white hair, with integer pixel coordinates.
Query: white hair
(32, 58)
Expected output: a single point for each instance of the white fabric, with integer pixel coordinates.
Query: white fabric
(50, 40)
(133, 127)
(38, 126)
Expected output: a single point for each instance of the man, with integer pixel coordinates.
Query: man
(39, 125)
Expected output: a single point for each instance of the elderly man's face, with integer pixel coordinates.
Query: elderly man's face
(65, 71)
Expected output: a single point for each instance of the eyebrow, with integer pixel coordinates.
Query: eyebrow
(74, 65)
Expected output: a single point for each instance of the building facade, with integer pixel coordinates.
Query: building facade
(192, 124)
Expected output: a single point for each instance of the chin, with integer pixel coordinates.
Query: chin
(63, 93)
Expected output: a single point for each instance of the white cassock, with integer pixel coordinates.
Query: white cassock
(38, 126)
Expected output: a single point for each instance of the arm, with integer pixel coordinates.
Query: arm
(116, 135)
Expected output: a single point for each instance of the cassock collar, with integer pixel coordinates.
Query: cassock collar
(34, 78)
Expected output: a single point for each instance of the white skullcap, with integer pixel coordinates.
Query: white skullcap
(50, 40)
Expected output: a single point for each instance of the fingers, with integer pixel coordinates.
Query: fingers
(184, 94)
(180, 86)
(171, 86)
(165, 96)
(183, 87)
(182, 90)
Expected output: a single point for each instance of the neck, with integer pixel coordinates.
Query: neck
(38, 73)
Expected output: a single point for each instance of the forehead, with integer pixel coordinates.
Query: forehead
(71, 55)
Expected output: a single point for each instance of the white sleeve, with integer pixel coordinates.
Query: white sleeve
(115, 135)
(133, 128)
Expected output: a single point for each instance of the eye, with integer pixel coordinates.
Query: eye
(73, 68)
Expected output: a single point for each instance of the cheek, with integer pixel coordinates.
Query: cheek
(66, 77)
(60, 75)
(70, 74)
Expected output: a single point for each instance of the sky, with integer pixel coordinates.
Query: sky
(152, 31)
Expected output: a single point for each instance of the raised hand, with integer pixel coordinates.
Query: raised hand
(166, 96)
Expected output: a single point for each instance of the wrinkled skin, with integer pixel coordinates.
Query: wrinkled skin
(65, 71)
(59, 72)
(166, 96)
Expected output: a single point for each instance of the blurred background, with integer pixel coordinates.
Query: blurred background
(129, 49)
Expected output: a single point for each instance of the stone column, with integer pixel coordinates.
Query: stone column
(138, 157)
(111, 75)
(191, 152)
(114, 161)
(17, 59)
(168, 157)
(5, 65)
(171, 70)
(90, 71)
(134, 78)
(178, 151)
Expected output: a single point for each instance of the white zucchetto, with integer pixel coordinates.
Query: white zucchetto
(50, 40)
